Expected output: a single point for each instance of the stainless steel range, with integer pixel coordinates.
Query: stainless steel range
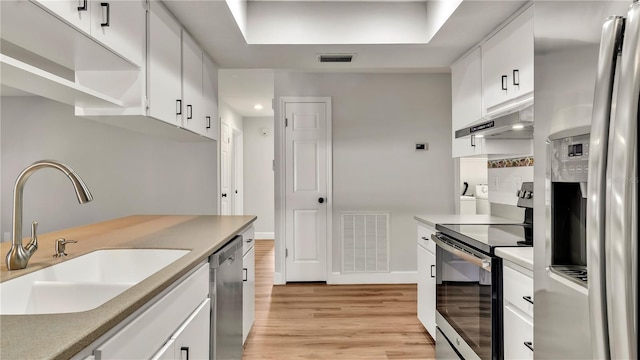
(469, 284)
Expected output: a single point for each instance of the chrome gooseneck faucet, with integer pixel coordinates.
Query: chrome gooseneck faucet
(19, 255)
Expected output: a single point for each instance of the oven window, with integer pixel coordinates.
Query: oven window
(463, 298)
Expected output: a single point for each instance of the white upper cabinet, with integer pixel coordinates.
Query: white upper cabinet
(507, 67)
(120, 25)
(478, 80)
(75, 12)
(179, 86)
(164, 66)
(210, 97)
(193, 112)
(466, 100)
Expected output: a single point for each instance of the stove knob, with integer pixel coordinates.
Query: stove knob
(528, 194)
(519, 193)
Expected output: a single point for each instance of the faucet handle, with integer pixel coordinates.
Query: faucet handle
(60, 246)
(32, 246)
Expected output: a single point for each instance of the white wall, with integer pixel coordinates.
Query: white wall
(258, 174)
(377, 119)
(230, 116)
(474, 172)
(127, 172)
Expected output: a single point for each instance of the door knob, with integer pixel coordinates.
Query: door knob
(320, 200)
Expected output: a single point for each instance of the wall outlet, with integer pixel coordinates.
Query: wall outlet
(494, 184)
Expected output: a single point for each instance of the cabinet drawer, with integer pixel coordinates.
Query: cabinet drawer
(424, 237)
(517, 287)
(248, 239)
(141, 338)
(518, 332)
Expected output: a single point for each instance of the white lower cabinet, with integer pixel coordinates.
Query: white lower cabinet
(181, 315)
(518, 311)
(168, 351)
(427, 279)
(191, 340)
(518, 334)
(248, 283)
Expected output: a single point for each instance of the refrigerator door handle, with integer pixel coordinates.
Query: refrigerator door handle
(620, 241)
(596, 186)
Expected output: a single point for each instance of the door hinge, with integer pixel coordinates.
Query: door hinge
(146, 103)
(286, 252)
(286, 122)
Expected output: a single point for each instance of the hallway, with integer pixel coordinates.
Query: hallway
(317, 321)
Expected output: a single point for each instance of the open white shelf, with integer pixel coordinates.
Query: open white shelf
(30, 79)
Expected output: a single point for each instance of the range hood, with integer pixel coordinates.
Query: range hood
(516, 125)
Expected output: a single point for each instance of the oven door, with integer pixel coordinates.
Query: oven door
(468, 298)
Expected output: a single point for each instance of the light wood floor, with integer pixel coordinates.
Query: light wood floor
(318, 321)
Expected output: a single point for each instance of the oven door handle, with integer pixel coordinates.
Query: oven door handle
(478, 260)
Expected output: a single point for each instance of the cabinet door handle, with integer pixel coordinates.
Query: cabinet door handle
(208, 122)
(529, 344)
(425, 238)
(105, 24)
(189, 112)
(473, 140)
(528, 299)
(516, 77)
(83, 7)
(504, 82)
(245, 275)
(178, 107)
(433, 267)
(186, 349)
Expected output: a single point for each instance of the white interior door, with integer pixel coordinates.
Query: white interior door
(225, 170)
(306, 191)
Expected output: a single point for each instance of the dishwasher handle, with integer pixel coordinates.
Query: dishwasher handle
(227, 253)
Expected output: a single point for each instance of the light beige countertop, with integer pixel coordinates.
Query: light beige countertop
(522, 256)
(60, 336)
(433, 219)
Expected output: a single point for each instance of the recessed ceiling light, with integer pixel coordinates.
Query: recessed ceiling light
(257, 107)
(517, 127)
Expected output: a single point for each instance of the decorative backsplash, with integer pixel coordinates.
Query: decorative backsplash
(509, 163)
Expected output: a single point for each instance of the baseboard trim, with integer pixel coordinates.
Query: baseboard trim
(394, 277)
(277, 279)
(265, 235)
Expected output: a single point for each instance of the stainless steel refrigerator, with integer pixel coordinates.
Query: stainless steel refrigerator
(587, 91)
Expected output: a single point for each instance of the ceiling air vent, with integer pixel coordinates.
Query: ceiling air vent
(335, 58)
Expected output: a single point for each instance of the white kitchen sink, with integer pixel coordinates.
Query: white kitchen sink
(82, 283)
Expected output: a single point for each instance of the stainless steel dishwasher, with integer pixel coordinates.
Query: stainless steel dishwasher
(226, 301)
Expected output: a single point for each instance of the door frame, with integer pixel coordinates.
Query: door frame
(279, 277)
(237, 172)
(221, 166)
